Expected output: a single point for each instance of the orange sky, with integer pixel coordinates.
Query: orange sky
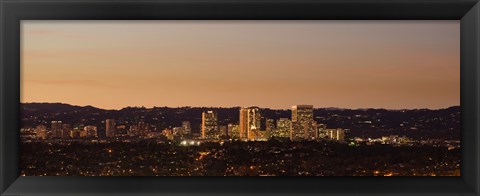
(275, 64)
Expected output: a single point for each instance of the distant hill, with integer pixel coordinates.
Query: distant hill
(63, 107)
(55, 108)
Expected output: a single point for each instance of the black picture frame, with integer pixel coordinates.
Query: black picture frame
(13, 11)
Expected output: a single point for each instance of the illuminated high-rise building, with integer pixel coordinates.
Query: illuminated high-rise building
(250, 122)
(233, 131)
(303, 125)
(187, 127)
(110, 127)
(283, 128)
(322, 131)
(296, 131)
(311, 132)
(270, 127)
(243, 123)
(210, 125)
(57, 129)
(254, 119)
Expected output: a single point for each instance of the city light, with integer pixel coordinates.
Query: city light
(268, 145)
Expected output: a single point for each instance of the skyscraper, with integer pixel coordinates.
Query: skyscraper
(110, 127)
(210, 125)
(187, 127)
(322, 130)
(270, 127)
(243, 123)
(283, 128)
(253, 122)
(57, 129)
(311, 132)
(303, 125)
(250, 122)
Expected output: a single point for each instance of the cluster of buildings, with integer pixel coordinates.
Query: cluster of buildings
(250, 127)
(64, 131)
(301, 126)
(144, 130)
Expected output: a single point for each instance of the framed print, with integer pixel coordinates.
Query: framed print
(239, 97)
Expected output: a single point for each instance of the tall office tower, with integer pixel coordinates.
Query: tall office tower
(233, 131)
(210, 125)
(57, 129)
(243, 123)
(253, 123)
(66, 130)
(322, 130)
(90, 131)
(270, 127)
(110, 127)
(187, 127)
(296, 131)
(303, 123)
(41, 132)
(283, 128)
(311, 132)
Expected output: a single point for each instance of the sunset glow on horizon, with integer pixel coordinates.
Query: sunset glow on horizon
(269, 64)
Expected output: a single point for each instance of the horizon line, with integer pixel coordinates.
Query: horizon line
(331, 107)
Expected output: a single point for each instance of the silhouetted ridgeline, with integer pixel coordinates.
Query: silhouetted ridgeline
(416, 123)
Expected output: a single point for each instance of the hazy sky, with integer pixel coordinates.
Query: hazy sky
(276, 64)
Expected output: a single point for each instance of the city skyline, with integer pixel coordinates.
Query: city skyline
(251, 125)
(269, 64)
(238, 142)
